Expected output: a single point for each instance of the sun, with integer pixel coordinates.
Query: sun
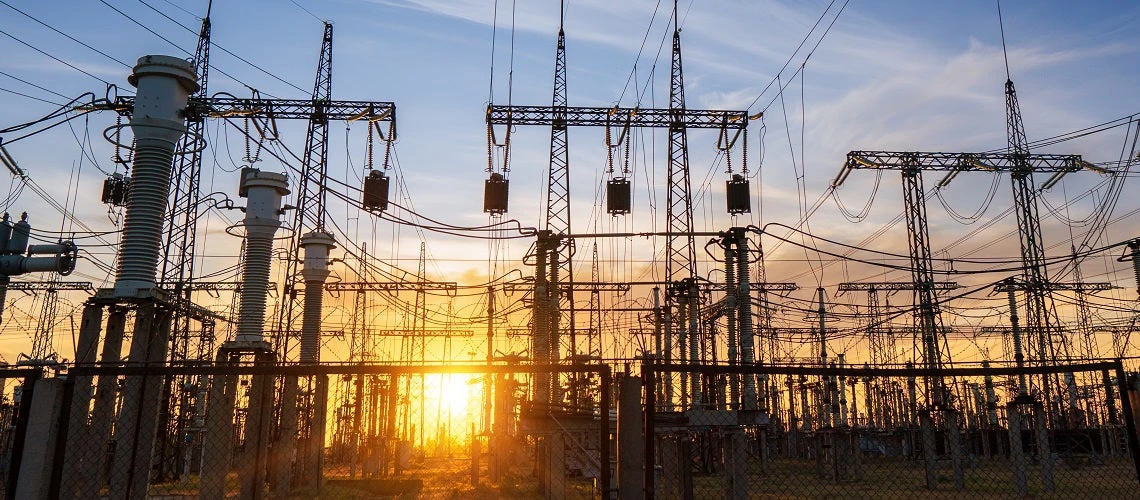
(453, 393)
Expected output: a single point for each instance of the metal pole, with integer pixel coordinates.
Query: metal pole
(1129, 417)
(650, 408)
(1016, 451)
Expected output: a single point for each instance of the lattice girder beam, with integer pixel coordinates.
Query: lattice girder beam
(595, 116)
(892, 286)
(390, 286)
(985, 162)
(269, 109)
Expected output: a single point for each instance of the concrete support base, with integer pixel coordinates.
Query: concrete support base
(79, 456)
(631, 443)
(315, 445)
(37, 461)
(142, 396)
(555, 470)
(103, 413)
(285, 446)
(259, 415)
(218, 446)
(735, 466)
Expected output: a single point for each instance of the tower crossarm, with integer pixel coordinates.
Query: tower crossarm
(421, 332)
(390, 286)
(1019, 285)
(60, 286)
(594, 116)
(893, 286)
(763, 286)
(277, 109)
(218, 286)
(961, 162)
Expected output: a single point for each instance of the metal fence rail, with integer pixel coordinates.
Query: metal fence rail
(828, 432)
(389, 430)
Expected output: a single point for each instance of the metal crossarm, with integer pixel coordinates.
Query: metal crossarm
(279, 109)
(1095, 286)
(904, 160)
(894, 286)
(593, 116)
(389, 286)
(60, 286)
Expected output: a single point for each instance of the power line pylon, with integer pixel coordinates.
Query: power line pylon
(1021, 166)
(680, 267)
(181, 225)
(558, 203)
(310, 206)
(553, 249)
(1041, 313)
(928, 318)
(177, 276)
(43, 352)
(309, 220)
(594, 337)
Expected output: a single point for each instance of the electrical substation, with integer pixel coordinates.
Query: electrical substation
(244, 322)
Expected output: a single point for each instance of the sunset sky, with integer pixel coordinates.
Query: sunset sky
(888, 75)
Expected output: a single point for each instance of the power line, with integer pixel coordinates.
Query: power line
(808, 56)
(21, 94)
(48, 26)
(223, 49)
(307, 11)
(145, 27)
(21, 80)
(37, 49)
(793, 55)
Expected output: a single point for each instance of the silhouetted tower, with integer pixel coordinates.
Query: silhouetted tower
(682, 299)
(176, 273)
(311, 194)
(181, 225)
(558, 205)
(1041, 314)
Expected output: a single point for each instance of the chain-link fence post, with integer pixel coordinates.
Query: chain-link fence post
(1129, 417)
(1016, 451)
(1044, 451)
(649, 386)
(929, 450)
(954, 437)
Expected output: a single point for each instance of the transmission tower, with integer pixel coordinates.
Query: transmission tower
(553, 249)
(680, 270)
(310, 211)
(181, 224)
(177, 276)
(1021, 165)
(928, 319)
(558, 205)
(42, 350)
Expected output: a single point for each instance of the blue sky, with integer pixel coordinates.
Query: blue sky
(889, 75)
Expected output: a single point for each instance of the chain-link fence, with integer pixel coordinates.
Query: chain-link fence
(255, 429)
(816, 432)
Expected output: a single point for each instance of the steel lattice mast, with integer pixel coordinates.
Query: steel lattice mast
(310, 212)
(928, 320)
(1042, 321)
(1021, 165)
(181, 225)
(680, 245)
(557, 221)
(176, 273)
